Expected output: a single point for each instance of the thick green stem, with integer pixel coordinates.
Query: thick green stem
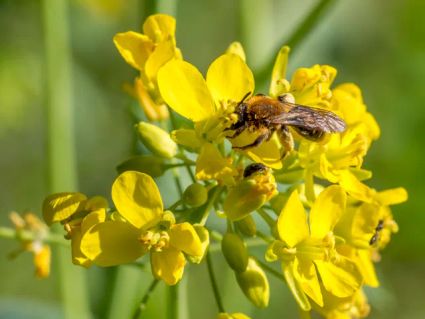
(295, 39)
(214, 283)
(255, 29)
(62, 175)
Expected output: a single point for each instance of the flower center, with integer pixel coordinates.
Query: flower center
(155, 240)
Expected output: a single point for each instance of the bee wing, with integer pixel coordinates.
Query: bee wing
(310, 118)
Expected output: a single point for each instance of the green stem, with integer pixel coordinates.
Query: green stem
(295, 39)
(255, 27)
(145, 299)
(270, 270)
(26, 235)
(267, 218)
(147, 8)
(216, 192)
(214, 283)
(62, 173)
(173, 302)
(175, 205)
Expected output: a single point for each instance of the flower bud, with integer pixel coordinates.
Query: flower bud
(195, 195)
(147, 164)
(156, 140)
(247, 226)
(254, 284)
(249, 194)
(235, 252)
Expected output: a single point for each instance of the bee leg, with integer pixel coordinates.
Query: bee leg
(286, 140)
(238, 131)
(260, 139)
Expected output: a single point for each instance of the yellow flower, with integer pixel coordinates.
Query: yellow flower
(210, 103)
(249, 194)
(210, 164)
(143, 227)
(348, 101)
(78, 214)
(147, 53)
(40, 250)
(338, 160)
(338, 157)
(355, 306)
(306, 248)
(367, 227)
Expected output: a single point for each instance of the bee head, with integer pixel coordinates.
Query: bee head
(254, 168)
(286, 98)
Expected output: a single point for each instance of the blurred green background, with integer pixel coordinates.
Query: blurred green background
(380, 45)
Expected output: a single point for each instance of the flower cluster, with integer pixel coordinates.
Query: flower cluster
(326, 226)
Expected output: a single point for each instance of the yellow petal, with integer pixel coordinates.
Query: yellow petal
(184, 237)
(154, 110)
(78, 257)
(341, 277)
(267, 153)
(137, 199)
(366, 267)
(159, 27)
(326, 211)
(392, 196)
(42, 261)
(292, 222)
(168, 265)
(210, 164)
(163, 53)
(134, 47)
(188, 138)
(294, 285)
(204, 237)
(185, 91)
(95, 217)
(279, 72)
(356, 188)
(229, 78)
(306, 274)
(111, 243)
(95, 203)
(236, 48)
(60, 206)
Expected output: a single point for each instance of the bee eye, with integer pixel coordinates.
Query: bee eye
(286, 98)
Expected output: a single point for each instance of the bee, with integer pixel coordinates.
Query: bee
(266, 115)
(254, 168)
(374, 239)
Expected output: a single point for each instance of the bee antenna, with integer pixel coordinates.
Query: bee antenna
(244, 97)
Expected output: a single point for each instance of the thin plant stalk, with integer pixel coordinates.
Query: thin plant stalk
(296, 38)
(60, 134)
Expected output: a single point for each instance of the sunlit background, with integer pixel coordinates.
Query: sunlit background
(380, 45)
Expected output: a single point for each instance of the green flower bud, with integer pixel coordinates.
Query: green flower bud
(156, 140)
(248, 195)
(195, 195)
(147, 164)
(254, 284)
(247, 226)
(235, 252)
